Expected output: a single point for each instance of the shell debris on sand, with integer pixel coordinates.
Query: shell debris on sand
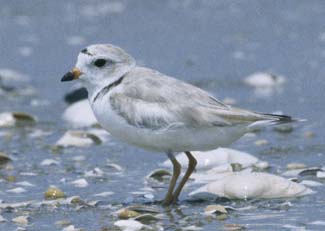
(264, 80)
(209, 159)
(21, 220)
(78, 139)
(11, 119)
(4, 158)
(251, 185)
(130, 225)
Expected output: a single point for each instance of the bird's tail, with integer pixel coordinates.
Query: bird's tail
(274, 119)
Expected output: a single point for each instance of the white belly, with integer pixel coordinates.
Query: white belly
(173, 140)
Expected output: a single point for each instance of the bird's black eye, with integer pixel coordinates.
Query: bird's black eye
(100, 62)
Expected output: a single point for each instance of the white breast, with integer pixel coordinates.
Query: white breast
(176, 140)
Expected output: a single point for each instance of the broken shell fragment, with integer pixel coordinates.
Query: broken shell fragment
(4, 158)
(21, 220)
(11, 119)
(215, 209)
(159, 175)
(78, 139)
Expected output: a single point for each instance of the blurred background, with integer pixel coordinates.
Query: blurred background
(215, 45)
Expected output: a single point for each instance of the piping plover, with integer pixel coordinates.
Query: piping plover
(151, 110)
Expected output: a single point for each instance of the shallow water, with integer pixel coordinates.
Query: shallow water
(211, 44)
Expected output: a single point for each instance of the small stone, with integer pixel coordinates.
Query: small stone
(143, 209)
(70, 228)
(264, 80)
(129, 225)
(215, 209)
(17, 190)
(146, 218)
(261, 142)
(233, 227)
(104, 194)
(4, 158)
(21, 220)
(25, 183)
(96, 172)
(222, 217)
(159, 175)
(78, 139)
(10, 119)
(261, 165)
(127, 213)
(292, 166)
(81, 183)
(63, 223)
(11, 178)
(48, 162)
(54, 193)
(283, 128)
(320, 174)
(2, 220)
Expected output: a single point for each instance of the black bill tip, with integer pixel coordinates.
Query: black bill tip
(69, 76)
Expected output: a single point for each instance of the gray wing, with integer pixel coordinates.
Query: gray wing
(154, 101)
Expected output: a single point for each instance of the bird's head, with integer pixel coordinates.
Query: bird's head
(100, 64)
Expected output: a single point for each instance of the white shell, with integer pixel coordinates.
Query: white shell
(252, 185)
(211, 159)
(261, 79)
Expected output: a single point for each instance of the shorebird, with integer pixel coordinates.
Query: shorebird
(153, 111)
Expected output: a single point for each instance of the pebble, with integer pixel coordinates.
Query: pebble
(71, 228)
(129, 225)
(10, 119)
(262, 165)
(63, 223)
(11, 178)
(159, 175)
(96, 172)
(261, 142)
(104, 194)
(234, 227)
(78, 139)
(2, 219)
(80, 183)
(17, 190)
(320, 174)
(25, 183)
(54, 193)
(21, 220)
(127, 213)
(48, 162)
(4, 158)
(264, 80)
(215, 209)
(283, 128)
(293, 166)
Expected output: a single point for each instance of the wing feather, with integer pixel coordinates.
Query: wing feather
(154, 101)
